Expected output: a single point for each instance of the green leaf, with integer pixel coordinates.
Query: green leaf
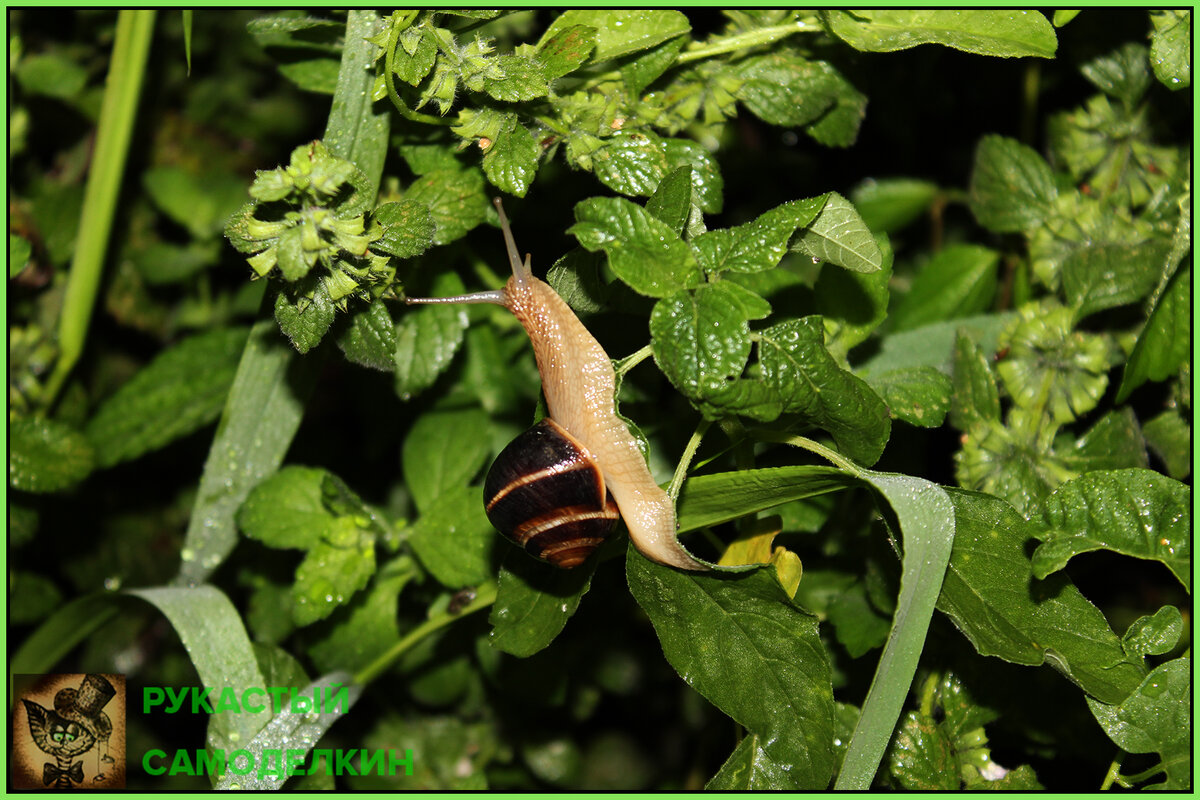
(922, 757)
(1105, 276)
(853, 304)
(1156, 635)
(751, 768)
(1114, 442)
(512, 161)
(51, 75)
(1170, 437)
(794, 361)
(707, 500)
(707, 183)
(620, 32)
(45, 455)
(889, 204)
(838, 235)
(991, 595)
(933, 345)
(160, 263)
(368, 627)
(368, 337)
(566, 50)
(523, 79)
(287, 509)
(959, 281)
(1121, 74)
(857, 626)
(672, 199)
(643, 251)
(631, 163)
(443, 451)
(757, 245)
(305, 320)
(1163, 344)
(1007, 34)
(534, 602)
(317, 75)
(408, 229)
(1171, 47)
(336, 567)
(1134, 512)
(279, 30)
(453, 538)
(427, 337)
(700, 338)
(455, 199)
(920, 395)
(642, 69)
(69, 625)
(722, 635)
(1156, 718)
(1012, 188)
(200, 203)
(975, 397)
(181, 390)
(19, 250)
(576, 278)
(415, 55)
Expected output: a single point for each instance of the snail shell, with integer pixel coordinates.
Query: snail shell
(546, 493)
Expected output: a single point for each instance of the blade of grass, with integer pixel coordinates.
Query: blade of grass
(117, 113)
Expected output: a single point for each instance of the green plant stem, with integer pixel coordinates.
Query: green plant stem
(399, 22)
(743, 41)
(114, 131)
(685, 461)
(805, 443)
(632, 360)
(485, 595)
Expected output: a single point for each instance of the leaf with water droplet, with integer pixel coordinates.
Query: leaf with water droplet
(330, 574)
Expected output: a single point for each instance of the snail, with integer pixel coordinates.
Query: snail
(558, 489)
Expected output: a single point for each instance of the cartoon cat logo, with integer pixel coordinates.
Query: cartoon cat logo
(73, 727)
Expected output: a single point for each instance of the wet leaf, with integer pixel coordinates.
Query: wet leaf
(46, 456)
(1008, 34)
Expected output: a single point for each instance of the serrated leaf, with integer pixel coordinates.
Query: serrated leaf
(1163, 344)
(523, 80)
(707, 184)
(889, 204)
(643, 251)
(757, 245)
(991, 595)
(959, 281)
(368, 337)
(1012, 188)
(853, 304)
(933, 345)
(408, 229)
(427, 337)
(566, 50)
(1121, 74)
(534, 602)
(672, 199)
(332, 571)
(976, 396)
(371, 626)
(453, 538)
(922, 757)
(646, 67)
(45, 455)
(700, 338)
(181, 390)
(455, 199)
(920, 396)
(1156, 718)
(785, 89)
(512, 161)
(1008, 34)
(1114, 442)
(415, 55)
(620, 32)
(1109, 275)
(1134, 512)
(444, 450)
(305, 321)
(631, 163)
(1171, 47)
(721, 634)
(748, 397)
(839, 235)
(286, 510)
(795, 362)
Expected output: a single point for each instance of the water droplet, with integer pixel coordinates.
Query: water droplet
(187, 554)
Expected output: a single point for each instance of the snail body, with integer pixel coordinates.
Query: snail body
(579, 384)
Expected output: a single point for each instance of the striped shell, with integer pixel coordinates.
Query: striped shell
(546, 493)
